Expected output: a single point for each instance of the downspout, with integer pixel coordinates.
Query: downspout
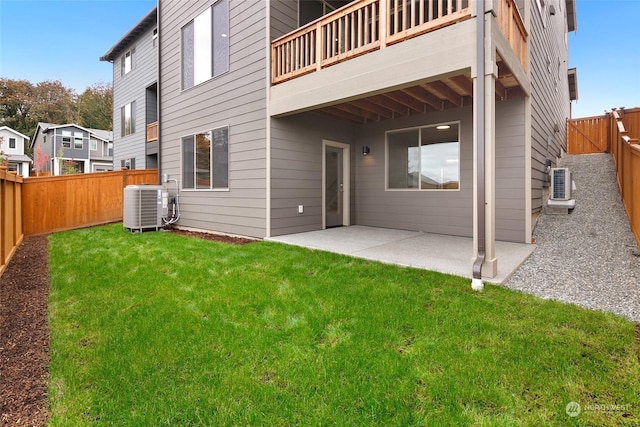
(476, 282)
(158, 92)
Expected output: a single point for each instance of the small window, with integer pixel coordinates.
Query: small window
(155, 37)
(128, 119)
(425, 158)
(12, 143)
(77, 141)
(205, 160)
(66, 138)
(127, 62)
(44, 138)
(205, 45)
(94, 145)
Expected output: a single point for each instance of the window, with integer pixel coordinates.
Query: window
(205, 160)
(77, 140)
(44, 138)
(128, 119)
(126, 63)
(128, 163)
(155, 37)
(12, 143)
(66, 138)
(425, 158)
(205, 45)
(93, 144)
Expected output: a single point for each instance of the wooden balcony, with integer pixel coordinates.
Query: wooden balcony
(152, 132)
(512, 27)
(364, 26)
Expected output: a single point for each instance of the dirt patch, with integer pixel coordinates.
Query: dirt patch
(24, 335)
(215, 237)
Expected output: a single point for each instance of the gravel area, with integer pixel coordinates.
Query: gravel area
(589, 257)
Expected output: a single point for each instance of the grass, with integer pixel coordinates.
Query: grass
(158, 329)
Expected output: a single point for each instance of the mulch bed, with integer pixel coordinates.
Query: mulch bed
(24, 335)
(24, 330)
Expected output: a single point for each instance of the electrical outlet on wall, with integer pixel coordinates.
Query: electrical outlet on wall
(300, 209)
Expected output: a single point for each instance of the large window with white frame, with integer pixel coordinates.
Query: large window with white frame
(66, 138)
(78, 142)
(424, 158)
(205, 45)
(205, 160)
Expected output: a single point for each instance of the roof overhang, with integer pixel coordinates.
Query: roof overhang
(149, 20)
(572, 23)
(15, 132)
(572, 75)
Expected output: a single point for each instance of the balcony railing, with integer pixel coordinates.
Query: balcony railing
(510, 22)
(152, 132)
(357, 28)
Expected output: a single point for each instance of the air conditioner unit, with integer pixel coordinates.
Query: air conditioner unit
(560, 184)
(144, 207)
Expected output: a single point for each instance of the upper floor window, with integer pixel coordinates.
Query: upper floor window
(126, 64)
(128, 119)
(205, 45)
(424, 158)
(12, 143)
(77, 140)
(66, 138)
(155, 37)
(93, 145)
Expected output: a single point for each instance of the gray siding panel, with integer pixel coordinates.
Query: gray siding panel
(236, 99)
(132, 87)
(296, 169)
(510, 171)
(550, 103)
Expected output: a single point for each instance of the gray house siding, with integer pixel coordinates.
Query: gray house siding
(511, 182)
(129, 88)
(296, 169)
(444, 212)
(550, 103)
(236, 99)
(284, 17)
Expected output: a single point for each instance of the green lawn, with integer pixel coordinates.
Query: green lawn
(158, 329)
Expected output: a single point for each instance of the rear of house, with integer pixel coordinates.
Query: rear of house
(285, 116)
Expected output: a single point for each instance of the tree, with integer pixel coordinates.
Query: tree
(54, 103)
(16, 102)
(95, 106)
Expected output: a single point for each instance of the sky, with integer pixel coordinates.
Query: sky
(64, 39)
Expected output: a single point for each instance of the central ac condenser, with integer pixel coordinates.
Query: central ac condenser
(144, 207)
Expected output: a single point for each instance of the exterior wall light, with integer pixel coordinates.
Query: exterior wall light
(365, 150)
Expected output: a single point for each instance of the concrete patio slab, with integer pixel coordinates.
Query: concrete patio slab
(446, 254)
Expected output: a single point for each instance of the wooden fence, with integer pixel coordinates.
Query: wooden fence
(10, 215)
(40, 205)
(587, 135)
(626, 155)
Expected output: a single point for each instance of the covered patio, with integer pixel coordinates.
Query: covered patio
(437, 252)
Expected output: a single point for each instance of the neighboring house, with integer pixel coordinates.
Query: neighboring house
(440, 116)
(89, 150)
(13, 144)
(135, 95)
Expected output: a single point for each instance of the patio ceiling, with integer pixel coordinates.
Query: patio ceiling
(450, 92)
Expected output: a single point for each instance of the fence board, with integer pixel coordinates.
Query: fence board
(10, 216)
(73, 201)
(587, 135)
(631, 120)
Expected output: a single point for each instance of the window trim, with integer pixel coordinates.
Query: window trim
(193, 135)
(12, 140)
(418, 128)
(228, 47)
(123, 64)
